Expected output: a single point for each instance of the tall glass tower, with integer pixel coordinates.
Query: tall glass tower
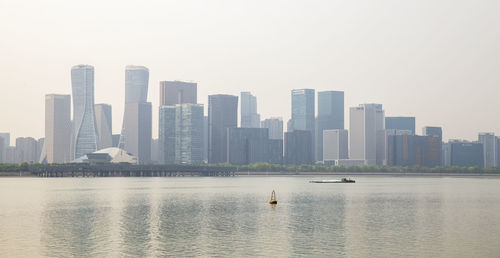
(136, 130)
(85, 130)
(303, 115)
(330, 116)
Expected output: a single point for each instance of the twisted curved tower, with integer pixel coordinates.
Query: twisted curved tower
(84, 124)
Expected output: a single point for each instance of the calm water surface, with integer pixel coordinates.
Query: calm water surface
(144, 217)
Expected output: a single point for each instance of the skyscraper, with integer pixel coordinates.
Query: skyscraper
(275, 126)
(6, 139)
(365, 121)
(57, 129)
(222, 114)
(330, 116)
(181, 134)
(177, 92)
(166, 134)
(489, 149)
(137, 131)
(103, 117)
(400, 123)
(438, 132)
(137, 118)
(303, 115)
(189, 134)
(249, 116)
(84, 124)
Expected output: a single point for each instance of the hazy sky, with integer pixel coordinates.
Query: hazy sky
(436, 60)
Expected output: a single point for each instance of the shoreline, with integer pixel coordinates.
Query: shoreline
(284, 174)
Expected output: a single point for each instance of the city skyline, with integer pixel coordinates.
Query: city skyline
(412, 66)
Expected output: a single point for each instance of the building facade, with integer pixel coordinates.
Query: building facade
(335, 145)
(166, 134)
(274, 126)
(303, 113)
(222, 114)
(330, 116)
(178, 92)
(298, 148)
(400, 123)
(247, 145)
(365, 121)
(249, 116)
(57, 141)
(84, 124)
(136, 133)
(466, 154)
(26, 150)
(489, 142)
(104, 122)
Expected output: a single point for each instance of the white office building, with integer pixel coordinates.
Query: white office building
(365, 121)
(335, 145)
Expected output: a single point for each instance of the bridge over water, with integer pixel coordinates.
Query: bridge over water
(128, 170)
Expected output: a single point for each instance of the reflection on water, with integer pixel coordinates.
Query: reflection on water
(141, 217)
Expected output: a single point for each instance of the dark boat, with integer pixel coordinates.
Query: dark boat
(343, 180)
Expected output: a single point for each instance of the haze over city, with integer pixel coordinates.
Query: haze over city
(435, 60)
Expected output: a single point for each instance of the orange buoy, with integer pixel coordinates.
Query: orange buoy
(273, 198)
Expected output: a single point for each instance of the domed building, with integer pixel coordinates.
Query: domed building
(108, 155)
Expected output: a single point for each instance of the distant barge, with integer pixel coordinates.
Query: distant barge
(343, 180)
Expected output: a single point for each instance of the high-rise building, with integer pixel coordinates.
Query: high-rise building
(222, 114)
(385, 148)
(205, 139)
(466, 154)
(57, 141)
(497, 149)
(298, 147)
(6, 139)
(303, 113)
(103, 117)
(249, 116)
(489, 142)
(166, 134)
(116, 139)
(177, 92)
(247, 145)
(155, 153)
(181, 134)
(400, 123)
(189, 133)
(84, 124)
(335, 145)
(275, 151)
(136, 132)
(4, 144)
(26, 150)
(2, 149)
(433, 130)
(438, 132)
(136, 84)
(405, 149)
(330, 116)
(365, 121)
(40, 147)
(275, 127)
